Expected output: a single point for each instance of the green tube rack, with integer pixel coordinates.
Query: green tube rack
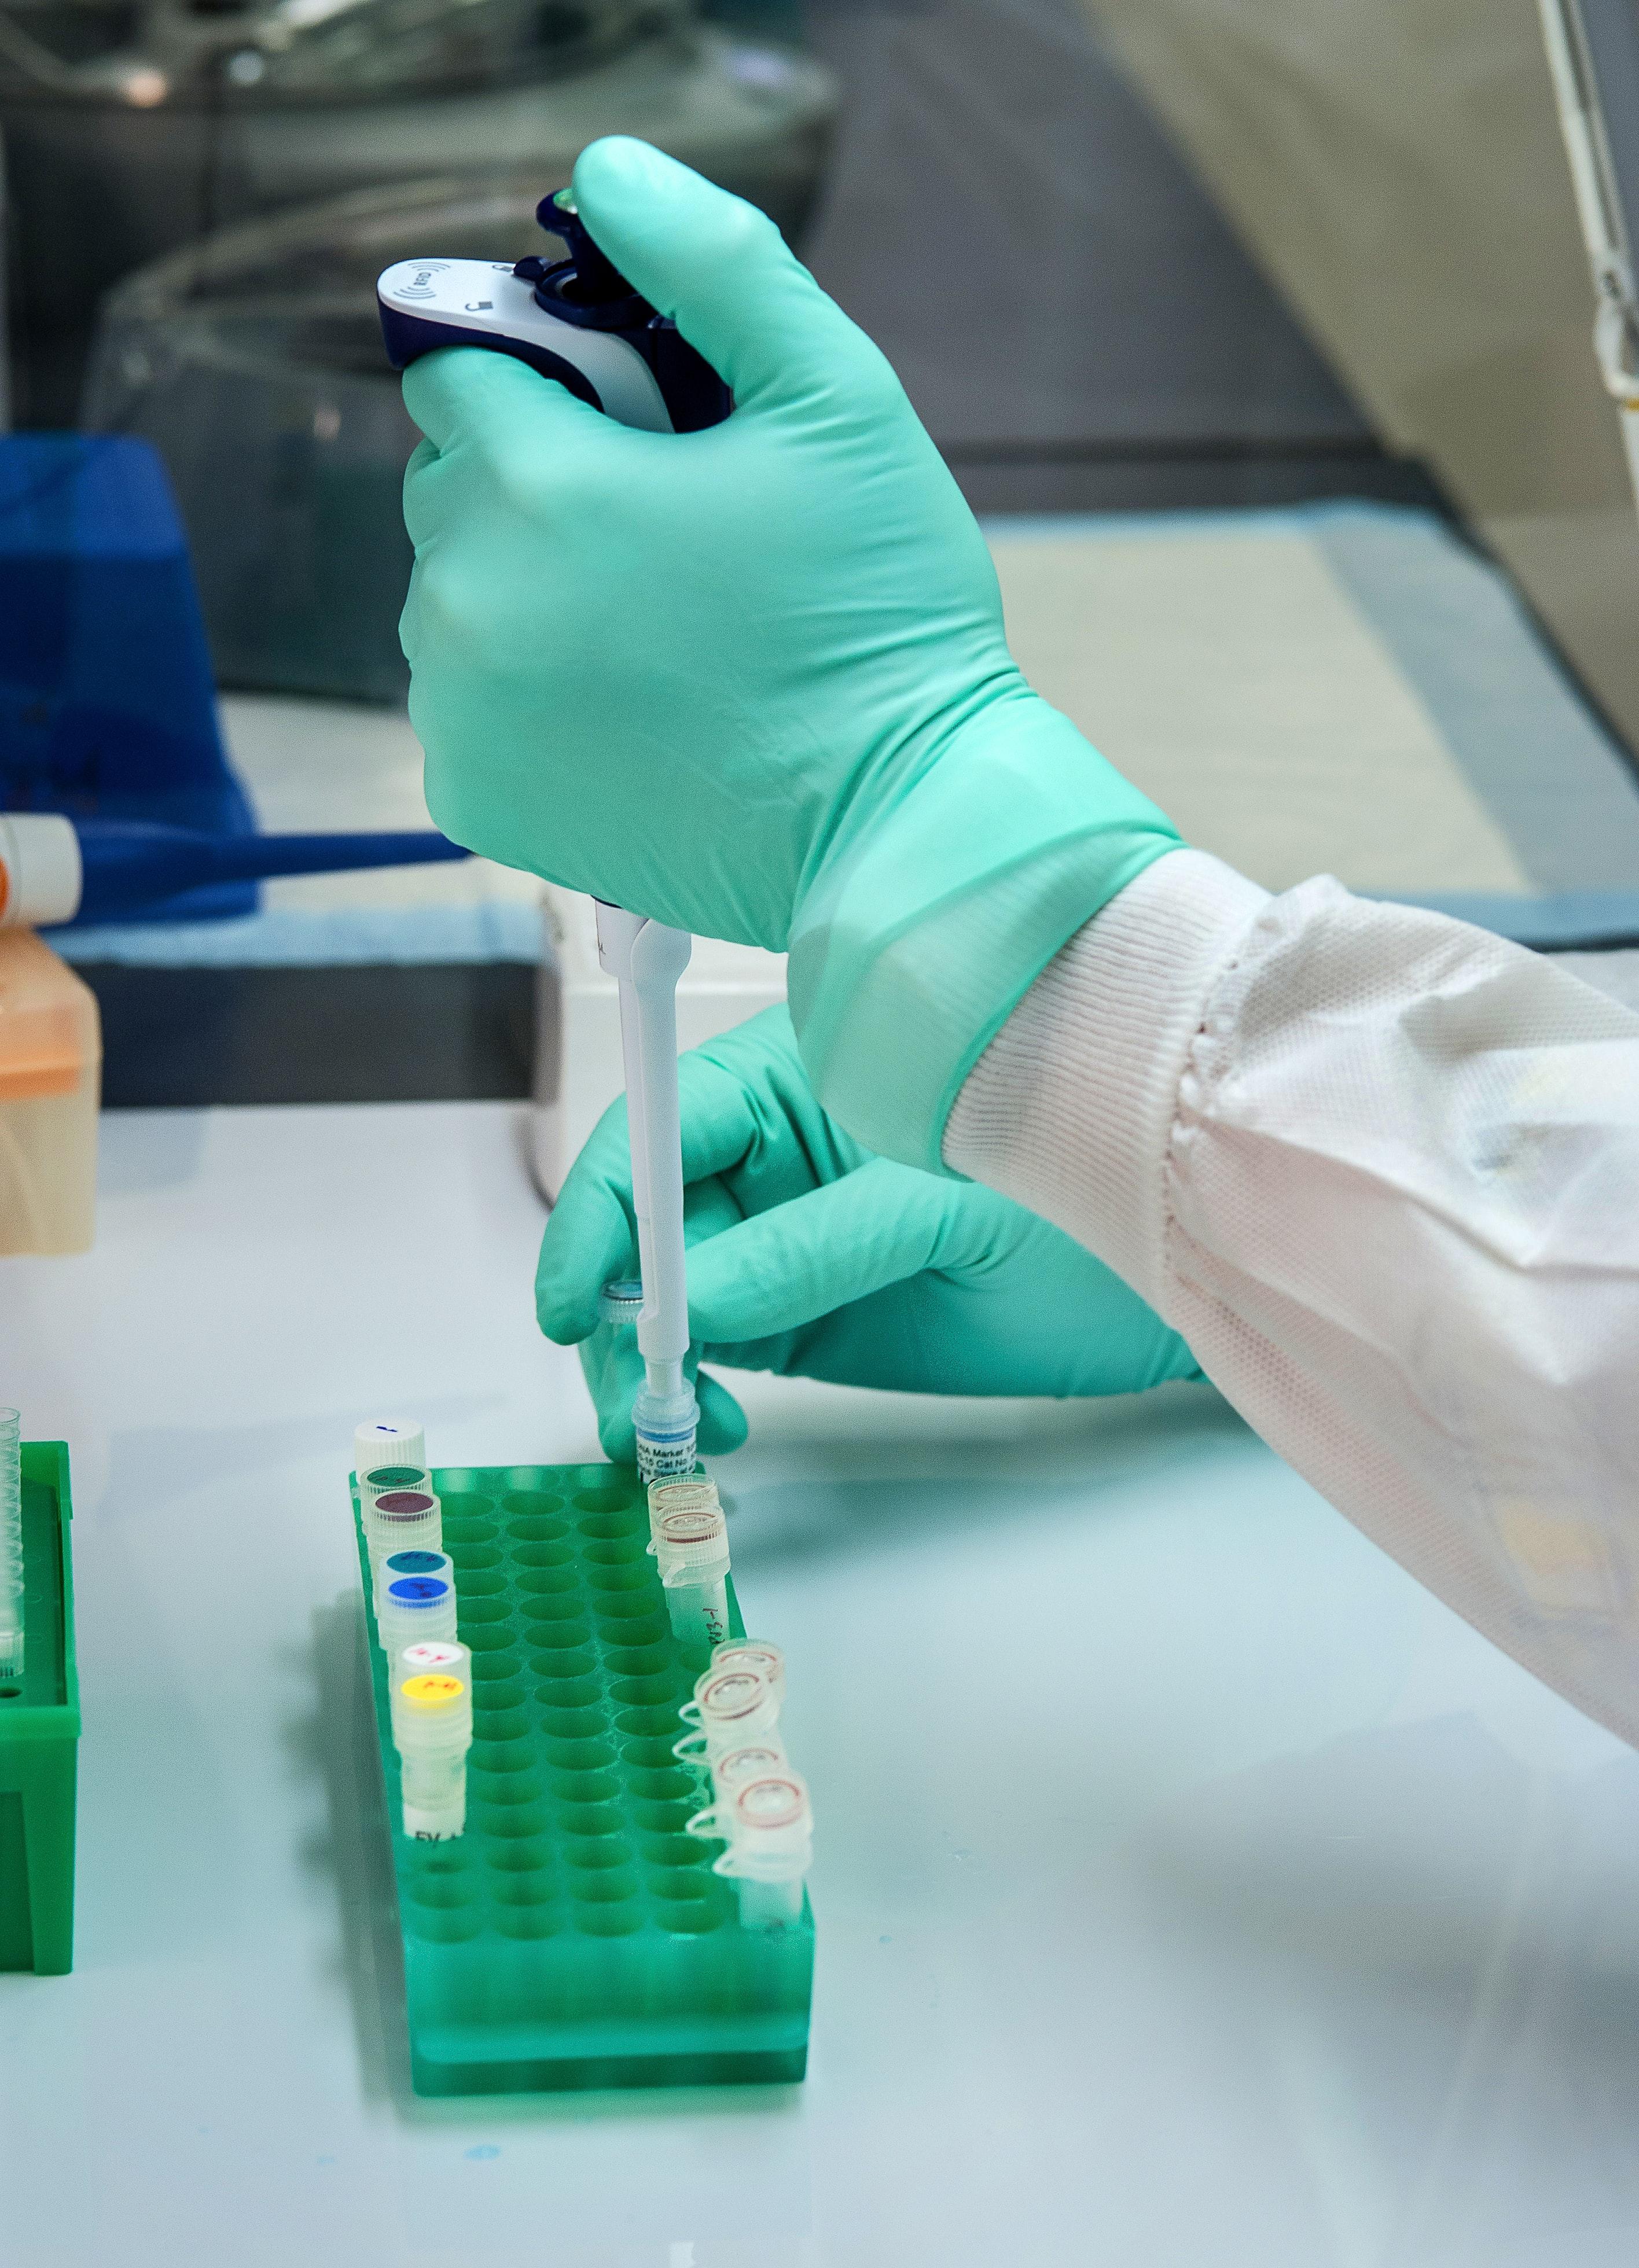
(574, 1937)
(39, 1734)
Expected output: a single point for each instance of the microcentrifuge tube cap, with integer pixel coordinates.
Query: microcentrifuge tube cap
(736, 1700)
(771, 1829)
(389, 1441)
(621, 1301)
(687, 1543)
(696, 1495)
(752, 1653)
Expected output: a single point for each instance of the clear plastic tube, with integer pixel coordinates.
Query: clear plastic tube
(754, 1759)
(413, 1561)
(692, 1552)
(770, 1847)
(729, 1707)
(11, 1544)
(431, 1713)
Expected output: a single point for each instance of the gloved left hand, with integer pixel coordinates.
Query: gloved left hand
(810, 1257)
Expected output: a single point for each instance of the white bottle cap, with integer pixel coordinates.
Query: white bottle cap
(389, 1441)
(39, 869)
(432, 1710)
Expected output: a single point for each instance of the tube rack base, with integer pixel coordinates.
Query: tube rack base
(574, 1936)
(39, 1734)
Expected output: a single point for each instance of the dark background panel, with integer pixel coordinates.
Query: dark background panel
(191, 1037)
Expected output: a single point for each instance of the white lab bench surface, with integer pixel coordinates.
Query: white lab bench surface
(1192, 1890)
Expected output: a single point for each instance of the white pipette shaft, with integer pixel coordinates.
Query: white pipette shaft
(646, 958)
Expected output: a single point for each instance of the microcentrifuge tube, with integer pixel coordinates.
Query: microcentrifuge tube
(754, 1759)
(431, 1713)
(753, 1653)
(12, 1595)
(696, 1494)
(403, 1519)
(771, 1848)
(692, 1553)
(728, 1708)
(414, 1608)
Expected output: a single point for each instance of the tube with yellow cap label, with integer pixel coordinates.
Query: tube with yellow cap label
(432, 1710)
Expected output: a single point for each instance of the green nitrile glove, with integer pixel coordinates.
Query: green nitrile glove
(811, 1257)
(753, 681)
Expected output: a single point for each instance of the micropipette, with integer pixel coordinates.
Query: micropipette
(579, 321)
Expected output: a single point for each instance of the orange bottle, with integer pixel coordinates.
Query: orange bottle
(50, 1075)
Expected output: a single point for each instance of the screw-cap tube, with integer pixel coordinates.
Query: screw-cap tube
(415, 1608)
(401, 1519)
(432, 1710)
(389, 1441)
(413, 1560)
(692, 1553)
(730, 1706)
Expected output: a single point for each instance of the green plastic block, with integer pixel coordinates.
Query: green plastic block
(574, 1936)
(39, 1734)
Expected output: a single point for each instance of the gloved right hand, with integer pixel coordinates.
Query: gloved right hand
(753, 681)
(809, 1257)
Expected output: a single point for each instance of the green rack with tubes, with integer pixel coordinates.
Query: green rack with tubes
(39, 1734)
(575, 1936)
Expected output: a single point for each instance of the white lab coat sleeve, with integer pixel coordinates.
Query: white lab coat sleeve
(1382, 1171)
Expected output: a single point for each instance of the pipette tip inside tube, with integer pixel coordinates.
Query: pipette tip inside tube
(666, 1425)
